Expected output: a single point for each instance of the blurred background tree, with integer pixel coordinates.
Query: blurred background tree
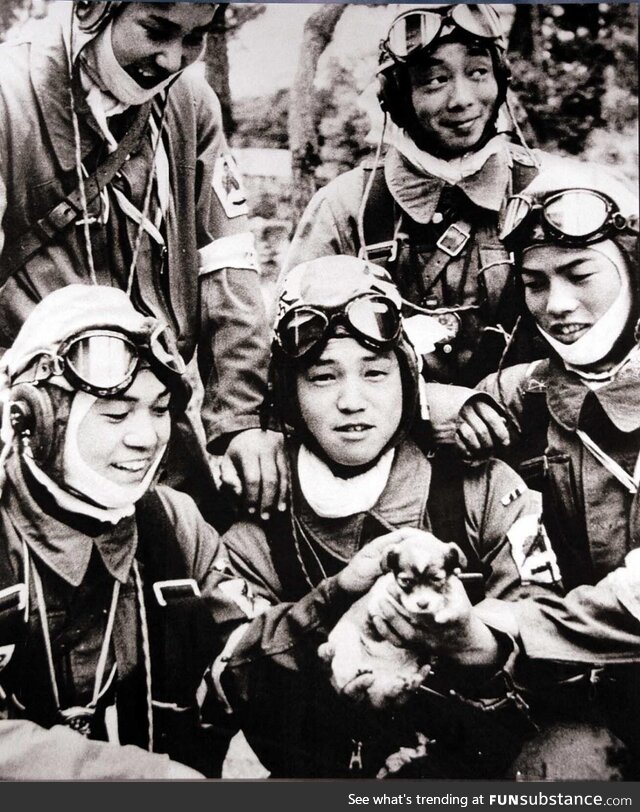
(574, 70)
(14, 13)
(228, 23)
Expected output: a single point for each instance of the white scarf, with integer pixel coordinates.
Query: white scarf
(599, 340)
(332, 497)
(452, 171)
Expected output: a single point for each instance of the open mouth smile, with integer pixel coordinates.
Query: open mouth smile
(132, 466)
(354, 431)
(568, 333)
(146, 77)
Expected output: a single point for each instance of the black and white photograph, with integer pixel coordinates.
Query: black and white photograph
(319, 392)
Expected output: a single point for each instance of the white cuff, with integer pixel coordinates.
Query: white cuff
(234, 251)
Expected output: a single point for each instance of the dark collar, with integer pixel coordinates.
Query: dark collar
(567, 392)
(64, 548)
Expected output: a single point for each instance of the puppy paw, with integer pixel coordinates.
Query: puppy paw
(326, 652)
(405, 755)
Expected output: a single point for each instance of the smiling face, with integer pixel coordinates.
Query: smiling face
(120, 437)
(351, 401)
(151, 41)
(454, 93)
(568, 290)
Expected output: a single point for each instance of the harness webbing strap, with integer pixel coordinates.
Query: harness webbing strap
(69, 208)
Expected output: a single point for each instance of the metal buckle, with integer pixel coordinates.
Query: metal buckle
(380, 250)
(15, 597)
(453, 240)
(177, 583)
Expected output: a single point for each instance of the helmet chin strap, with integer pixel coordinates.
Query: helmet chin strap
(83, 491)
(81, 478)
(101, 63)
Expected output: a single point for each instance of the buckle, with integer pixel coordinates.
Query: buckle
(56, 220)
(182, 587)
(453, 240)
(387, 250)
(13, 598)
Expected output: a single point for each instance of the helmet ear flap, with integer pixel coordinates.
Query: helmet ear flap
(284, 396)
(392, 94)
(32, 416)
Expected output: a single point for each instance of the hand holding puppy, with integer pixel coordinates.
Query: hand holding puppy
(369, 563)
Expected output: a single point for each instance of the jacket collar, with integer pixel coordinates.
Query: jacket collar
(567, 392)
(64, 549)
(49, 71)
(418, 192)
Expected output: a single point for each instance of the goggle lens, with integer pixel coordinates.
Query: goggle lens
(481, 21)
(104, 362)
(418, 29)
(375, 318)
(301, 330)
(413, 31)
(577, 213)
(574, 215)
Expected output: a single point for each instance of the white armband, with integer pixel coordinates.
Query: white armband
(234, 251)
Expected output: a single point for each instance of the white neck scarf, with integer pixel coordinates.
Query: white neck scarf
(73, 504)
(332, 497)
(599, 340)
(452, 171)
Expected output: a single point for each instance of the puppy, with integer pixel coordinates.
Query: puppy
(421, 570)
(365, 665)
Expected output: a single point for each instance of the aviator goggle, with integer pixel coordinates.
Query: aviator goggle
(573, 217)
(372, 319)
(418, 29)
(104, 362)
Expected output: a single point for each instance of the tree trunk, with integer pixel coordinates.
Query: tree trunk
(521, 36)
(217, 71)
(303, 130)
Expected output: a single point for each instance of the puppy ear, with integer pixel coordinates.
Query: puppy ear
(392, 560)
(454, 559)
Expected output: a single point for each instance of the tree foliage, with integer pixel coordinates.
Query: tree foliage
(342, 125)
(567, 62)
(261, 121)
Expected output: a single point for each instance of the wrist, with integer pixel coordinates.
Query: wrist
(473, 644)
